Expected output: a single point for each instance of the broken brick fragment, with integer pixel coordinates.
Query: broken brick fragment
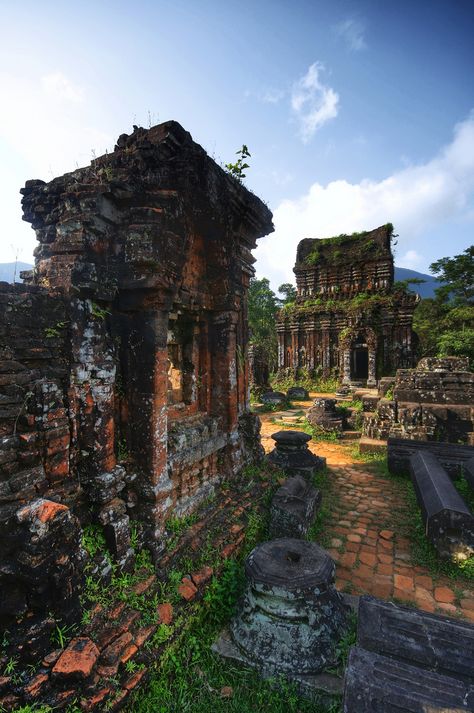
(165, 613)
(187, 589)
(77, 660)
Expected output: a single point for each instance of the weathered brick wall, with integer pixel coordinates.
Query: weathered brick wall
(123, 373)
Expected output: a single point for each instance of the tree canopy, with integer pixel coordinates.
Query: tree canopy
(445, 324)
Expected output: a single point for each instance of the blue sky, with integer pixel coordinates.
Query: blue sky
(356, 113)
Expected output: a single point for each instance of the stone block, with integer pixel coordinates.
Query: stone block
(449, 524)
(451, 456)
(427, 640)
(377, 683)
(293, 508)
(297, 393)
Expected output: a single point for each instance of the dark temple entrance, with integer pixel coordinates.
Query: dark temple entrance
(359, 362)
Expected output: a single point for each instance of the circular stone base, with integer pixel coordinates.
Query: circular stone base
(291, 616)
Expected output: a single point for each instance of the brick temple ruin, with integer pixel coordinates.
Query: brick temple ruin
(348, 318)
(124, 391)
(432, 402)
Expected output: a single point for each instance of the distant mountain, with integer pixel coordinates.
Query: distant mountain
(7, 271)
(426, 289)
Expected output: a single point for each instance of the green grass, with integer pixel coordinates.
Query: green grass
(189, 677)
(318, 531)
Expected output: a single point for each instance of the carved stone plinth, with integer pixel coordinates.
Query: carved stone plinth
(293, 509)
(291, 615)
(323, 414)
(293, 455)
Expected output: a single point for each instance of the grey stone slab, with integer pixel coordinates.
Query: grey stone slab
(449, 523)
(377, 684)
(430, 641)
(451, 455)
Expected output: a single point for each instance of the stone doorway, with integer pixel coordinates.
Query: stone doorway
(360, 362)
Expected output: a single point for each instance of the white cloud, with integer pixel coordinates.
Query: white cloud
(272, 96)
(313, 103)
(57, 85)
(415, 199)
(47, 130)
(282, 178)
(352, 32)
(411, 259)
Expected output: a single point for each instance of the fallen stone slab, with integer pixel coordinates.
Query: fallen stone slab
(452, 456)
(449, 524)
(293, 508)
(430, 641)
(378, 684)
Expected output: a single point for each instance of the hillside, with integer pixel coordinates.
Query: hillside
(7, 271)
(425, 290)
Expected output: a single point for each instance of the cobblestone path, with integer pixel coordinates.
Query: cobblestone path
(371, 556)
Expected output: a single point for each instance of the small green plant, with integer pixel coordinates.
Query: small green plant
(344, 644)
(123, 453)
(237, 169)
(10, 666)
(98, 311)
(54, 332)
(93, 539)
(61, 635)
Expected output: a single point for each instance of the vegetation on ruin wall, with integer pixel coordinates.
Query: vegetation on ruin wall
(363, 301)
(310, 379)
(445, 324)
(356, 247)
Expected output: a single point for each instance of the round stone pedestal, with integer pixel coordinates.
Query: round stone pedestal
(291, 616)
(293, 455)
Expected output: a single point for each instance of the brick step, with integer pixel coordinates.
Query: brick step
(372, 445)
(350, 435)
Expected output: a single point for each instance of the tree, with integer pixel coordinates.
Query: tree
(458, 275)
(263, 305)
(289, 291)
(445, 324)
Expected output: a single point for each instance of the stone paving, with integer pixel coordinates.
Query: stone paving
(371, 556)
